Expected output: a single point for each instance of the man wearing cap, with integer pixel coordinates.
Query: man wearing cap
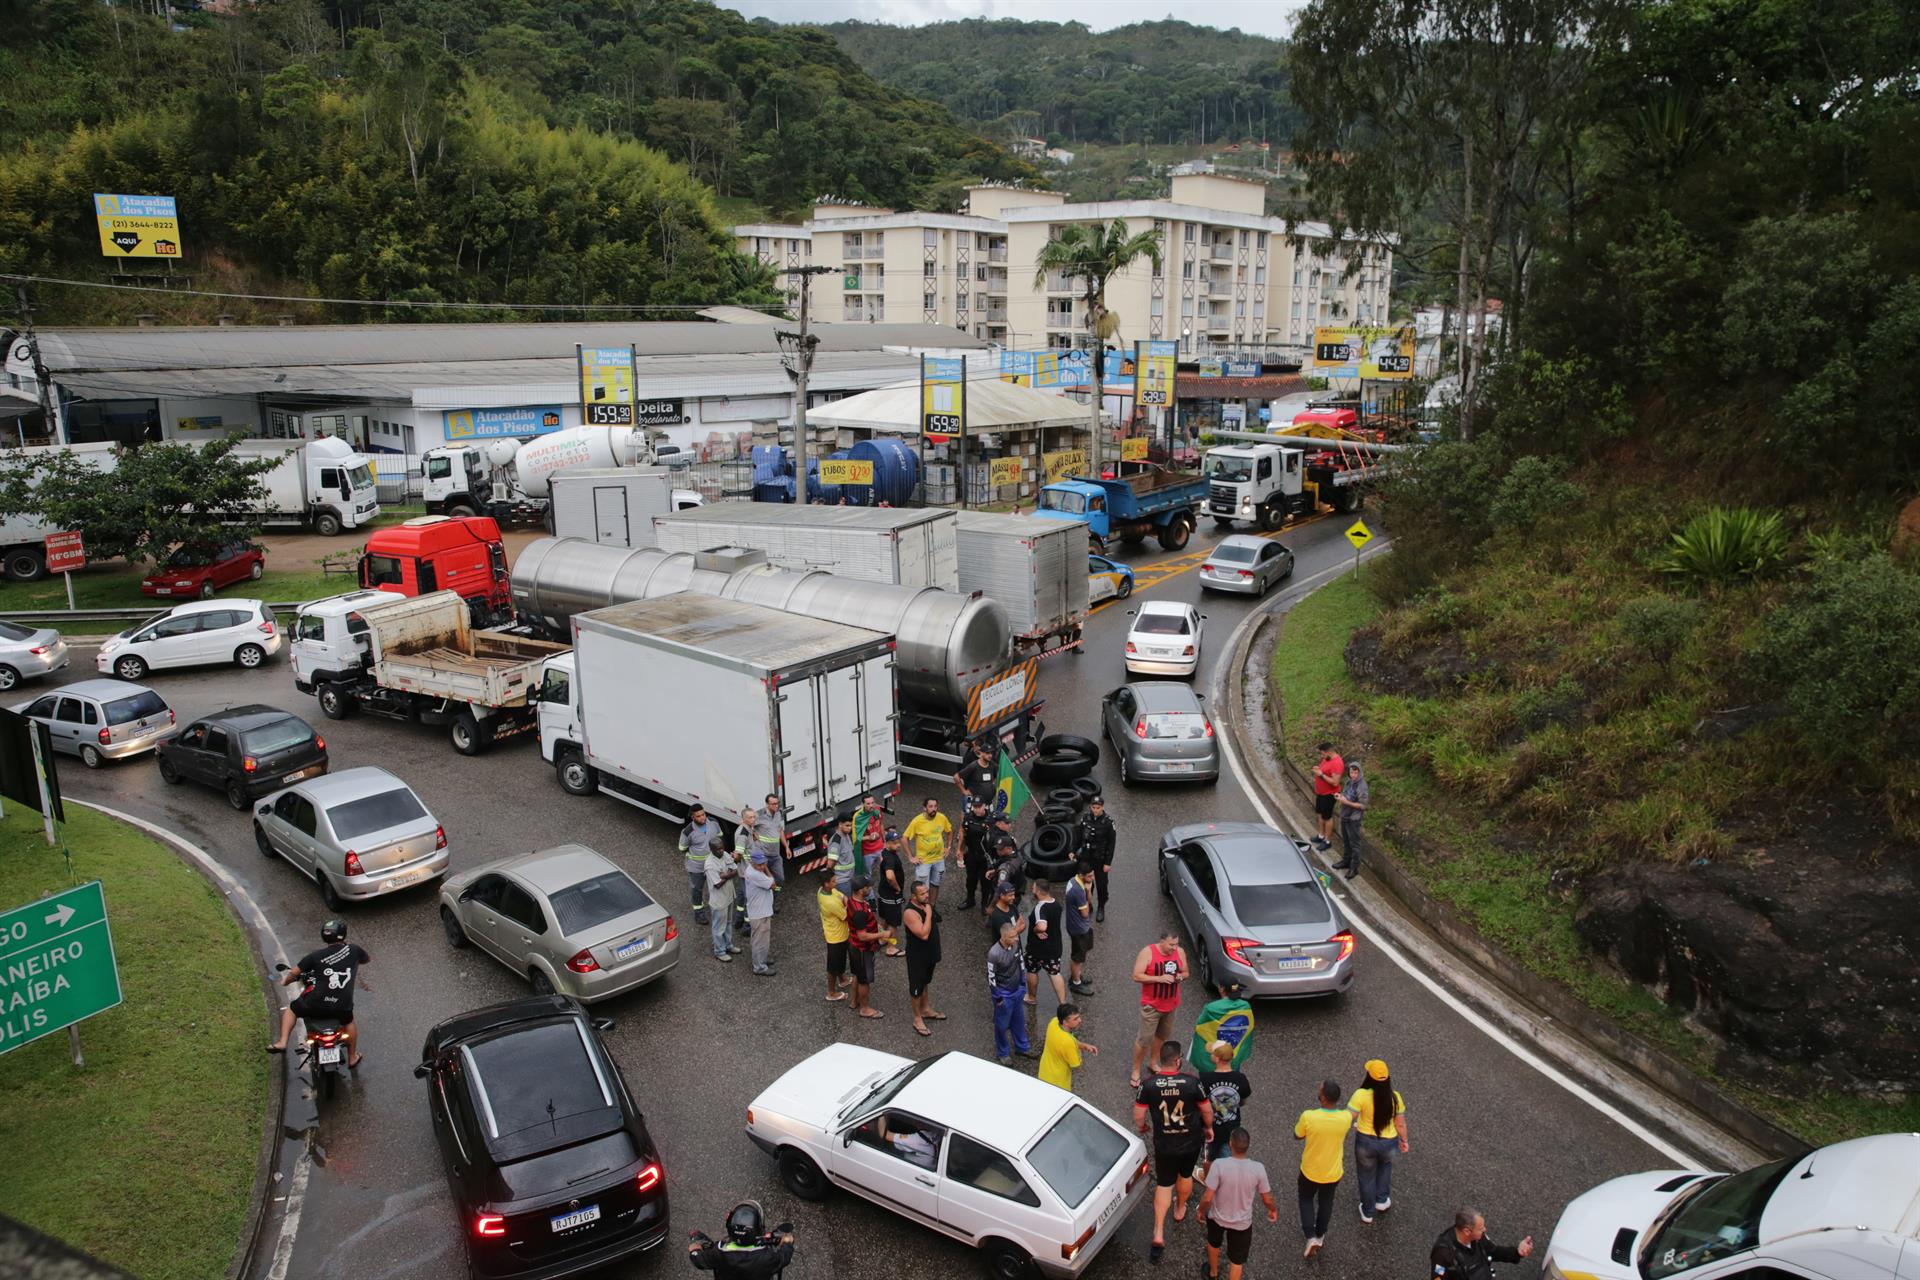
(697, 839)
(863, 939)
(974, 829)
(1097, 840)
(1007, 988)
(1004, 865)
(1379, 1133)
(1004, 911)
(759, 884)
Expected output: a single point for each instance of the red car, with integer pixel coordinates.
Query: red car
(191, 574)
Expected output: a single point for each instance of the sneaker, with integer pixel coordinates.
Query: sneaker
(1080, 988)
(1029, 1052)
(1384, 1205)
(1321, 843)
(768, 973)
(735, 950)
(1005, 1062)
(1313, 1247)
(1153, 1253)
(723, 957)
(1365, 1216)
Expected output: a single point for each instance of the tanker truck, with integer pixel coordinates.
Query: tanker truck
(511, 480)
(957, 679)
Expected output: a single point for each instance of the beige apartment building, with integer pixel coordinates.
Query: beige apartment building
(1230, 279)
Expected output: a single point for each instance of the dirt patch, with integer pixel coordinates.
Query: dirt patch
(1428, 668)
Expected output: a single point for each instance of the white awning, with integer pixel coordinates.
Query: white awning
(992, 405)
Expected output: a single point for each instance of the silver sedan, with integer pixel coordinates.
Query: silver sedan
(358, 834)
(1159, 730)
(26, 652)
(566, 918)
(1246, 564)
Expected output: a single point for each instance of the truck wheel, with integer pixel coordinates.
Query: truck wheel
(23, 564)
(1223, 522)
(469, 736)
(1271, 518)
(327, 524)
(1347, 499)
(1175, 535)
(577, 777)
(335, 702)
(461, 510)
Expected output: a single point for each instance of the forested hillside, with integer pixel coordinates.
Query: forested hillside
(506, 151)
(1153, 82)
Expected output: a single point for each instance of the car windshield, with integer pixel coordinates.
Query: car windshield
(1063, 500)
(592, 903)
(1161, 624)
(1076, 1154)
(1227, 553)
(188, 558)
(278, 736)
(361, 476)
(1721, 1219)
(1176, 724)
(536, 1076)
(14, 631)
(1258, 904)
(885, 1090)
(1231, 470)
(145, 623)
(374, 813)
(135, 707)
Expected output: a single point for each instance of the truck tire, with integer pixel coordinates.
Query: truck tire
(1174, 536)
(328, 524)
(23, 564)
(1347, 498)
(1070, 797)
(335, 703)
(1223, 522)
(1271, 518)
(469, 736)
(461, 510)
(1055, 768)
(577, 777)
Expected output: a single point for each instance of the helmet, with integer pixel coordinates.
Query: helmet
(745, 1223)
(333, 931)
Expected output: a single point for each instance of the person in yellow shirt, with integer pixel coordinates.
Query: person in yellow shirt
(1323, 1131)
(1380, 1132)
(833, 926)
(930, 837)
(1061, 1056)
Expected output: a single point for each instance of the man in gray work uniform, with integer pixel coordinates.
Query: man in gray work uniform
(698, 838)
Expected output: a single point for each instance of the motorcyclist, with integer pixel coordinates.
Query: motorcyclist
(330, 974)
(750, 1251)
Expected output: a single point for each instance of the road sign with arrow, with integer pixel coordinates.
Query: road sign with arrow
(56, 965)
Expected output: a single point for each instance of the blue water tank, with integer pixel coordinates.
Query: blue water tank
(776, 489)
(896, 470)
(771, 460)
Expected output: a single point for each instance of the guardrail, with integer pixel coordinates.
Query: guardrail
(55, 616)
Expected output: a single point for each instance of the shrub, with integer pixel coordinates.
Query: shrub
(1844, 648)
(1534, 487)
(1657, 625)
(1725, 544)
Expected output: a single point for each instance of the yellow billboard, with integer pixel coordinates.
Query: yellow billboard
(1005, 471)
(1064, 463)
(1133, 449)
(137, 226)
(1364, 351)
(606, 386)
(943, 395)
(1153, 362)
(845, 471)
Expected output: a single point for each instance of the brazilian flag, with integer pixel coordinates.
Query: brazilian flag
(1013, 794)
(1228, 1019)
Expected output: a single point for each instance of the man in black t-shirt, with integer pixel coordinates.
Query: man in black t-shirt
(1046, 942)
(1174, 1108)
(330, 975)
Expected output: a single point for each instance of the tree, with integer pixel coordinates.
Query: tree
(1094, 254)
(161, 496)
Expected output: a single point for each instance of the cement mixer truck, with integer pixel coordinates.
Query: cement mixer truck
(511, 480)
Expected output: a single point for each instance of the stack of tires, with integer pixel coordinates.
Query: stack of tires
(1066, 762)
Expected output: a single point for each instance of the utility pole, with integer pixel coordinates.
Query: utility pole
(798, 358)
(39, 371)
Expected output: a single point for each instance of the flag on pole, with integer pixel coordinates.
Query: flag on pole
(1012, 789)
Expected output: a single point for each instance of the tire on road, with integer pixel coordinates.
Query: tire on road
(469, 736)
(802, 1176)
(577, 777)
(1006, 1260)
(1174, 536)
(335, 702)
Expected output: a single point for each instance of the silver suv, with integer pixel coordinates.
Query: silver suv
(102, 720)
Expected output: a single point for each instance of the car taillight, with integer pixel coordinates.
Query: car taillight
(439, 838)
(106, 736)
(1131, 648)
(266, 627)
(583, 963)
(41, 650)
(1245, 573)
(170, 718)
(673, 930)
(1187, 652)
(1209, 728)
(749, 1117)
(353, 864)
(1345, 939)
(489, 1224)
(649, 1178)
(319, 742)
(1140, 728)
(1068, 1250)
(1236, 949)
(1140, 1173)
(250, 764)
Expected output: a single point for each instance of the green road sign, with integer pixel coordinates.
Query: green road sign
(56, 965)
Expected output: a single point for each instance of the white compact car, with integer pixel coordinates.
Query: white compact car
(1024, 1171)
(1164, 639)
(1850, 1211)
(190, 635)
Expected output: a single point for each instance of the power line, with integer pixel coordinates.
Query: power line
(392, 302)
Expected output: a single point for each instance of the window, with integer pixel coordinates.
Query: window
(1200, 867)
(217, 741)
(382, 571)
(127, 710)
(1264, 469)
(1162, 624)
(1186, 271)
(69, 711)
(1243, 238)
(1077, 1154)
(929, 238)
(311, 626)
(42, 708)
(1262, 241)
(985, 1169)
(1123, 702)
(1158, 306)
(297, 812)
(592, 903)
(1280, 904)
(556, 688)
(929, 270)
(277, 736)
(517, 905)
(486, 891)
(330, 477)
(1714, 1221)
(903, 1136)
(171, 628)
(195, 737)
(1187, 230)
(377, 812)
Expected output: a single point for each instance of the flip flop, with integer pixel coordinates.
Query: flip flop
(838, 995)
(938, 1017)
(1134, 1080)
(873, 1013)
(355, 1064)
(276, 1048)
(922, 1031)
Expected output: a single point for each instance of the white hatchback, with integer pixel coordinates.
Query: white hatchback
(1850, 1211)
(191, 635)
(1024, 1171)
(1164, 639)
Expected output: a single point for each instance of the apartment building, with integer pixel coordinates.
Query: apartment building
(1230, 278)
(780, 246)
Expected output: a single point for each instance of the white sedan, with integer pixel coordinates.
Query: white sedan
(1024, 1171)
(1850, 1211)
(1164, 639)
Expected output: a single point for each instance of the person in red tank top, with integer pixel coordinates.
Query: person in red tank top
(1160, 968)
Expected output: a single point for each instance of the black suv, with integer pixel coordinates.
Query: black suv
(550, 1163)
(247, 752)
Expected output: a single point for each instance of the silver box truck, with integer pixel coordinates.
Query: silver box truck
(615, 505)
(909, 548)
(1036, 569)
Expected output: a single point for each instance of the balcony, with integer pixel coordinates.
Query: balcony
(998, 253)
(1222, 252)
(1218, 322)
(876, 314)
(1058, 283)
(1212, 288)
(996, 315)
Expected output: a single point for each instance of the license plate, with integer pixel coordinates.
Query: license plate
(1112, 1208)
(1179, 766)
(633, 948)
(329, 1054)
(578, 1218)
(1294, 962)
(402, 881)
(295, 776)
(163, 591)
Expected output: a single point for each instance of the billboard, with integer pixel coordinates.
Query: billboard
(606, 386)
(1064, 463)
(943, 395)
(1369, 351)
(1154, 361)
(845, 471)
(1052, 370)
(137, 226)
(1231, 368)
(501, 424)
(1133, 449)
(1005, 471)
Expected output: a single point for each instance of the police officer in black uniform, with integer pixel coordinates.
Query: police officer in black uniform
(974, 829)
(1097, 840)
(750, 1251)
(1463, 1251)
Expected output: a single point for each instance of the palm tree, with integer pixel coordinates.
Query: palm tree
(1095, 254)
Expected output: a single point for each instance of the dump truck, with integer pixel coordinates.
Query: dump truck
(1154, 503)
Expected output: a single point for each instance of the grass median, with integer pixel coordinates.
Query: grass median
(145, 1157)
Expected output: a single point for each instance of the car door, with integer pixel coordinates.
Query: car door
(185, 751)
(1197, 624)
(171, 642)
(1267, 566)
(480, 913)
(1190, 888)
(523, 926)
(982, 1193)
(68, 724)
(1120, 706)
(214, 637)
(866, 1158)
(300, 832)
(211, 757)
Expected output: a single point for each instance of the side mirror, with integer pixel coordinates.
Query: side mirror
(603, 1025)
(422, 1071)
(1199, 697)
(1131, 612)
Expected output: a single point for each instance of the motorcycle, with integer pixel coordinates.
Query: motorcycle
(324, 1045)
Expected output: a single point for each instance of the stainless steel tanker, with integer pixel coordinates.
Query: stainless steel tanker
(953, 652)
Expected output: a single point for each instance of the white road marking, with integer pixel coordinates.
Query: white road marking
(290, 1220)
(1466, 1012)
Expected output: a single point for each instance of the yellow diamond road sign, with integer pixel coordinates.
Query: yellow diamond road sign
(1359, 535)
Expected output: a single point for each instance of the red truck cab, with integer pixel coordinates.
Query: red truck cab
(441, 553)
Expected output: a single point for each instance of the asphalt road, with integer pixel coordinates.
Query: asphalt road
(697, 1046)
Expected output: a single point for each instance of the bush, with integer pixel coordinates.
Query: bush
(1725, 544)
(1534, 487)
(1844, 648)
(1657, 625)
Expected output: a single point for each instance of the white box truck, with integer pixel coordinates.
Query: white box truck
(910, 548)
(1036, 569)
(689, 697)
(615, 506)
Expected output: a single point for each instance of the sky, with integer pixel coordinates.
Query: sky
(1262, 17)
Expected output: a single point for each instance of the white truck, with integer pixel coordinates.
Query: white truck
(902, 546)
(511, 480)
(1036, 569)
(615, 505)
(1267, 484)
(689, 698)
(417, 658)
